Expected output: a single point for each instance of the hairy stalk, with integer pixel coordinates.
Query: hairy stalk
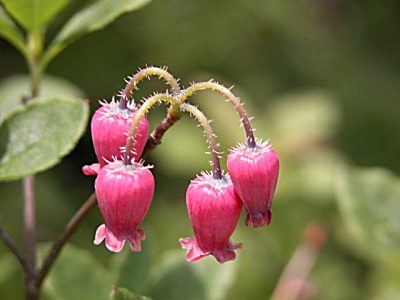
(146, 73)
(210, 85)
(205, 123)
(63, 238)
(143, 110)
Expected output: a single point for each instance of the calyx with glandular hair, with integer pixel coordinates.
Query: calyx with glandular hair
(254, 173)
(124, 194)
(214, 210)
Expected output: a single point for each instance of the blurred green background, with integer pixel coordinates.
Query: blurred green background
(321, 78)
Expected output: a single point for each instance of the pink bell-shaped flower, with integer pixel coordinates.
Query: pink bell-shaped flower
(214, 210)
(124, 194)
(254, 173)
(110, 127)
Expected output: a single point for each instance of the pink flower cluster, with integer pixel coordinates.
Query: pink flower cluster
(124, 192)
(214, 205)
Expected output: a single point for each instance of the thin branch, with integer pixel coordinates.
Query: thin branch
(30, 235)
(63, 238)
(35, 44)
(293, 281)
(155, 137)
(13, 247)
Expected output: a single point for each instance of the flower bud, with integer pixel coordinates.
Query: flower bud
(124, 194)
(214, 210)
(254, 173)
(110, 127)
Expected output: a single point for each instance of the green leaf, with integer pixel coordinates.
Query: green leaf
(369, 202)
(176, 279)
(119, 293)
(33, 15)
(131, 269)
(78, 275)
(92, 18)
(14, 88)
(10, 32)
(36, 136)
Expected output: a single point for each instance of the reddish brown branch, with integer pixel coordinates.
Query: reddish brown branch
(30, 237)
(293, 282)
(155, 137)
(63, 238)
(13, 247)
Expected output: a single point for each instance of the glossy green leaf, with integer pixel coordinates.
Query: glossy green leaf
(92, 18)
(10, 32)
(36, 136)
(78, 275)
(131, 270)
(369, 201)
(34, 14)
(175, 279)
(14, 88)
(119, 293)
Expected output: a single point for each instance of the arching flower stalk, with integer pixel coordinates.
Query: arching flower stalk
(213, 207)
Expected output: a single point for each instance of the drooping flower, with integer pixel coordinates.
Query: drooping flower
(110, 127)
(124, 194)
(254, 173)
(214, 210)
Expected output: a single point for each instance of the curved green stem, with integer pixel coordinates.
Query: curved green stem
(210, 85)
(35, 48)
(205, 123)
(143, 110)
(145, 73)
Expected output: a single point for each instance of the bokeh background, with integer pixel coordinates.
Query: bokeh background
(321, 78)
